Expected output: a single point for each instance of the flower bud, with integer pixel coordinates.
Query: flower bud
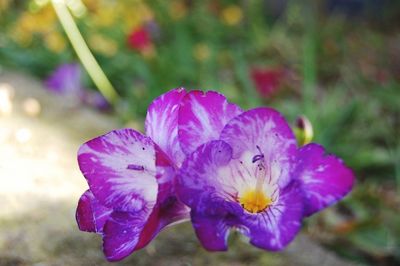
(303, 130)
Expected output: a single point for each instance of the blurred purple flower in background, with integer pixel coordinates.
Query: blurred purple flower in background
(153, 28)
(66, 80)
(96, 100)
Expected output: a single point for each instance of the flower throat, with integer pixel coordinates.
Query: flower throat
(255, 200)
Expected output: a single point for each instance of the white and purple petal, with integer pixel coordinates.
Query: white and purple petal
(165, 175)
(202, 116)
(169, 212)
(126, 232)
(172, 211)
(211, 184)
(274, 228)
(325, 178)
(162, 123)
(263, 133)
(122, 232)
(90, 214)
(120, 168)
(212, 231)
(199, 178)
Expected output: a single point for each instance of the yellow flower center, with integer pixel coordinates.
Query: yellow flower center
(255, 201)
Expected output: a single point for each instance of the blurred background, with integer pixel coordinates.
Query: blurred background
(335, 61)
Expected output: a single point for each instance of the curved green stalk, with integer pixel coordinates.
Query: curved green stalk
(83, 52)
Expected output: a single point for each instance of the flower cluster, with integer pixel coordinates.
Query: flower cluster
(205, 159)
(39, 21)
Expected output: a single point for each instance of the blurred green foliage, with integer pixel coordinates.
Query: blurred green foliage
(342, 72)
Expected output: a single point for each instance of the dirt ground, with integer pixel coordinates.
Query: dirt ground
(40, 184)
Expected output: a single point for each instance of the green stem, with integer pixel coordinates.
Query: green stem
(83, 52)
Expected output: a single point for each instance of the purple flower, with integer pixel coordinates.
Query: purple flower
(131, 179)
(235, 169)
(65, 80)
(96, 100)
(248, 173)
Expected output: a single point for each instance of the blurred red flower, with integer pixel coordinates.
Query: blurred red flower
(267, 80)
(139, 39)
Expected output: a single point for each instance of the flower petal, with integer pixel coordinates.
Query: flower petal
(263, 130)
(162, 123)
(90, 214)
(212, 231)
(325, 178)
(198, 178)
(172, 211)
(122, 234)
(276, 227)
(209, 194)
(208, 182)
(169, 212)
(126, 232)
(120, 169)
(202, 117)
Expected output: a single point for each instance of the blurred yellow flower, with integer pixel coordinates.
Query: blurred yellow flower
(55, 42)
(4, 5)
(102, 44)
(201, 52)
(177, 9)
(232, 15)
(131, 20)
(128, 14)
(21, 36)
(38, 22)
(42, 21)
(145, 12)
(105, 17)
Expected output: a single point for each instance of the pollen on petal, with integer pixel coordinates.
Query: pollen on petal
(254, 201)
